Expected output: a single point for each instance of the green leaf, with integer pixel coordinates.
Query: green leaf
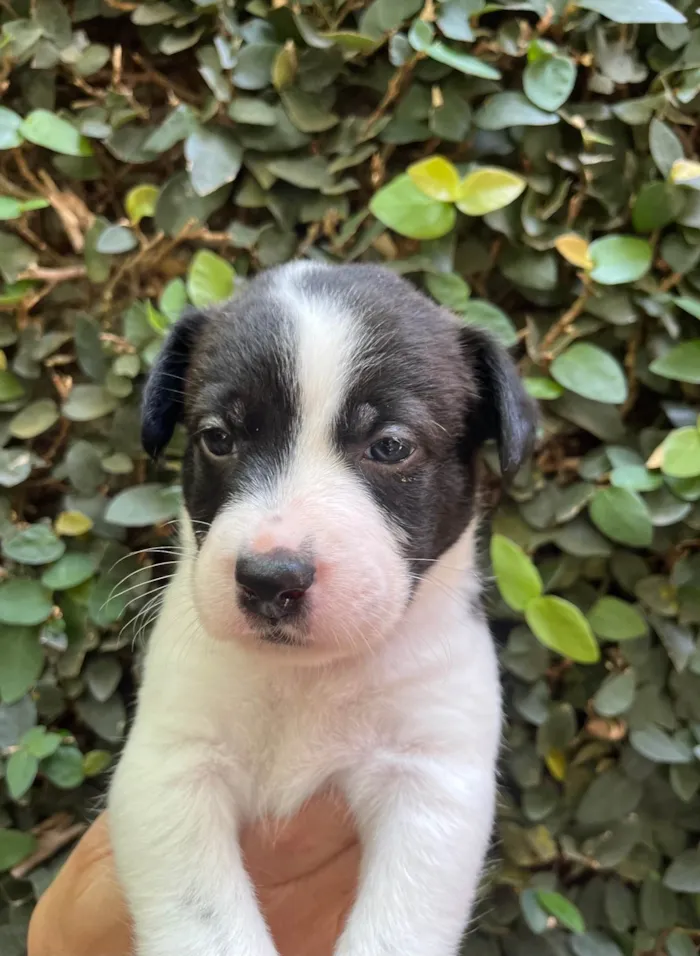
(421, 35)
(24, 601)
(214, 158)
(590, 371)
(681, 363)
(615, 620)
(622, 516)
(436, 177)
(683, 875)
(504, 110)
(619, 259)
(560, 626)
(15, 846)
(635, 478)
(20, 773)
(10, 387)
(34, 545)
(22, 662)
(210, 279)
(542, 388)
(10, 123)
(462, 62)
(69, 571)
(44, 128)
(34, 419)
(143, 505)
(96, 762)
(634, 11)
(454, 16)
(449, 289)
(140, 202)
(85, 403)
(115, 240)
(39, 743)
(563, 910)
(657, 746)
(492, 319)
(549, 81)
(664, 146)
(681, 453)
(173, 299)
(615, 695)
(517, 577)
(64, 768)
(404, 208)
(487, 189)
(657, 205)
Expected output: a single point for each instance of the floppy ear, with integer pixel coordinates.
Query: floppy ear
(504, 411)
(163, 395)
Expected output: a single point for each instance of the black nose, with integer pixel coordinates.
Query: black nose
(273, 585)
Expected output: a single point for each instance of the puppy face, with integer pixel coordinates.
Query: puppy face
(333, 415)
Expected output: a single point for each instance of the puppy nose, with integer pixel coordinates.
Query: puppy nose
(273, 585)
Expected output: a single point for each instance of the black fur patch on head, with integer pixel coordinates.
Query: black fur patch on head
(448, 386)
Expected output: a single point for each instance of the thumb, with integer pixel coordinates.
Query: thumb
(82, 913)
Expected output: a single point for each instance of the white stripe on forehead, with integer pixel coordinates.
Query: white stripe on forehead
(329, 338)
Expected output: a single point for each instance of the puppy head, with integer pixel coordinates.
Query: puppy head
(333, 414)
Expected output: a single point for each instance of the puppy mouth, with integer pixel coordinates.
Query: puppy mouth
(280, 636)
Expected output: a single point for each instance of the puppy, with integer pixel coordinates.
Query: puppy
(323, 625)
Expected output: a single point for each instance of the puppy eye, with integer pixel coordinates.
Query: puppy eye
(217, 441)
(389, 451)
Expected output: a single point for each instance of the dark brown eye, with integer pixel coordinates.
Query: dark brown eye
(217, 441)
(389, 451)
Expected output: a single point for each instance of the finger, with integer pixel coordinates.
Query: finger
(82, 913)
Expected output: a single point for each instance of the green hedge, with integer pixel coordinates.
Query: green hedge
(533, 165)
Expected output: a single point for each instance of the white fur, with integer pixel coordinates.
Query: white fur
(397, 704)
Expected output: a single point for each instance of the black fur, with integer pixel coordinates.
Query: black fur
(450, 385)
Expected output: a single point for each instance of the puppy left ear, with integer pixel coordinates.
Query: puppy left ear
(504, 412)
(162, 406)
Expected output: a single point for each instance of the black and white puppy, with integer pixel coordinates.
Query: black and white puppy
(323, 625)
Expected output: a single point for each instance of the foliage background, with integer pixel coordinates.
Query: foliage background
(157, 152)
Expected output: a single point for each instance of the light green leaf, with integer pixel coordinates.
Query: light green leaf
(634, 11)
(615, 620)
(39, 743)
(210, 279)
(404, 208)
(44, 128)
(143, 505)
(563, 910)
(140, 202)
(560, 626)
(619, 259)
(635, 477)
(10, 387)
(517, 577)
(487, 189)
(665, 147)
(590, 371)
(658, 746)
(449, 289)
(681, 363)
(542, 388)
(549, 81)
(681, 453)
(436, 177)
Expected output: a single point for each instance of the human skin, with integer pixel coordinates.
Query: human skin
(305, 872)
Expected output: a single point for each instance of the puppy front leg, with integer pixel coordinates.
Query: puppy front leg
(174, 828)
(425, 831)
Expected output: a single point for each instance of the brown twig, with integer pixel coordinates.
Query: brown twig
(53, 834)
(562, 324)
(164, 82)
(393, 91)
(54, 276)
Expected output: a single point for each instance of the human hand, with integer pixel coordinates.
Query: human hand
(305, 874)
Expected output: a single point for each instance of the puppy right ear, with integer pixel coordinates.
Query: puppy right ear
(162, 405)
